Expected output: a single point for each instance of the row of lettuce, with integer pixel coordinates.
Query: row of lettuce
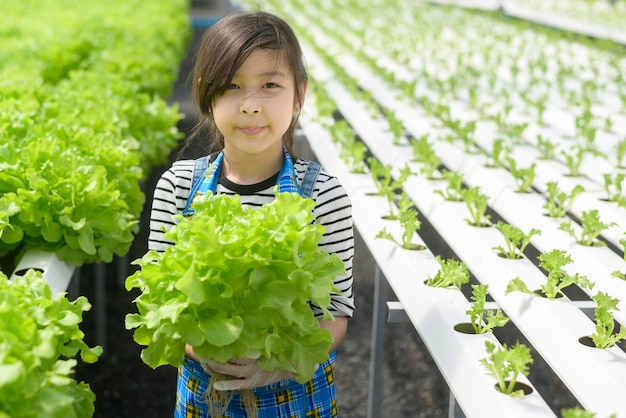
(444, 80)
(84, 117)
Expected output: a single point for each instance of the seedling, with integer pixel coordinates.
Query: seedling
(466, 134)
(424, 153)
(408, 89)
(578, 412)
(506, 364)
(620, 152)
(540, 107)
(395, 125)
(586, 130)
(385, 184)
(476, 202)
(574, 160)
(451, 273)
(613, 187)
(323, 103)
(514, 131)
(592, 227)
(545, 147)
(381, 175)
(515, 240)
(352, 151)
(341, 133)
(410, 223)
(354, 155)
(605, 323)
(559, 202)
(454, 190)
(484, 320)
(524, 177)
(499, 153)
(558, 279)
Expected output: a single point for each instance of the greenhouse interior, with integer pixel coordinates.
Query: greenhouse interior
(481, 143)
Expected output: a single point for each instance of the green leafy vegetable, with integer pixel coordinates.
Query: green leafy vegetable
(386, 185)
(424, 153)
(592, 227)
(515, 240)
(237, 283)
(451, 273)
(578, 412)
(523, 176)
(605, 323)
(499, 153)
(408, 217)
(506, 364)
(83, 118)
(559, 202)
(558, 279)
(395, 125)
(454, 188)
(39, 336)
(476, 202)
(484, 320)
(613, 184)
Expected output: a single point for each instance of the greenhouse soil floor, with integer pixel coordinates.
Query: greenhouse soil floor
(411, 387)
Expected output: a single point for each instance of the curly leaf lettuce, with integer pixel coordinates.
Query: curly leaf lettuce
(39, 336)
(238, 282)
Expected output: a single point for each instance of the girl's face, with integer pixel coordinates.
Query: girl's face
(258, 106)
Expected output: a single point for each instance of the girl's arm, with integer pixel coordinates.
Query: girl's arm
(337, 328)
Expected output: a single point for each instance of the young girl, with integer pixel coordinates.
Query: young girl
(249, 84)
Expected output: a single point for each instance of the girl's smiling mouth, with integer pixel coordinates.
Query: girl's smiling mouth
(251, 130)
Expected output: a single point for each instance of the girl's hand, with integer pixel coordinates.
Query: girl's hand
(247, 374)
(189, 353)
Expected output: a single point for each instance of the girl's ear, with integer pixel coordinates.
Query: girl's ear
(297, 105)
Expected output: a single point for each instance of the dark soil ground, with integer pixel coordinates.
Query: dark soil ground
(126, 388)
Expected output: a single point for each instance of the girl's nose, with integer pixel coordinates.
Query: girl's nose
(250, 105)
(249, 110)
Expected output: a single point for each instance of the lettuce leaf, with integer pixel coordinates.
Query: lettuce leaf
(40, 335)
(238, 282)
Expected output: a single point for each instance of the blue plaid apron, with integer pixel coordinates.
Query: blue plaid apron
(316, 398)
(286, 399)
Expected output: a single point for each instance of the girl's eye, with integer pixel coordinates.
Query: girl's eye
(232, 86)
(270, 85)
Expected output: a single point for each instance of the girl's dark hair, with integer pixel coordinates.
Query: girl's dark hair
(224, 48)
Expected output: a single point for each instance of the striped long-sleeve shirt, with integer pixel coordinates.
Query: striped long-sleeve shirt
(332, 210)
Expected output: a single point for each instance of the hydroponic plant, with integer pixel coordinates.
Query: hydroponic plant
(39, 338)
(451, 273)
(476, 202)
(591, 228)
(84, 118)
(454, 187)
(238, 283)
(515, 240)
(557, 280)
(604, 335)
(558, 202)
(484, 320)
(506, 364)
(578, 412)
(408, 217)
